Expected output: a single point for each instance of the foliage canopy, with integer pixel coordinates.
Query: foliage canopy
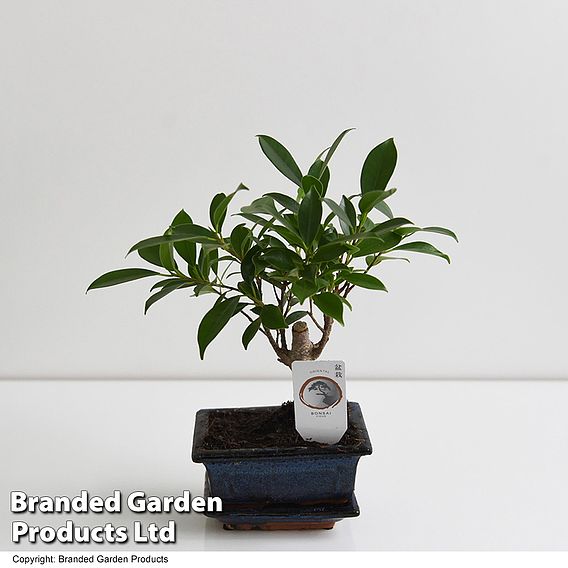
(294, 257)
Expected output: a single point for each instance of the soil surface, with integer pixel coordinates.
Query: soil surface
(238, 428)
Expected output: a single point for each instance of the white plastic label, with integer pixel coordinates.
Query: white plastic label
(320, 401)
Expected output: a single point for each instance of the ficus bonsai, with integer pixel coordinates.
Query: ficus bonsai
(295, 258)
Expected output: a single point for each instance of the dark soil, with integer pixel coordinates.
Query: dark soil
(241, 428)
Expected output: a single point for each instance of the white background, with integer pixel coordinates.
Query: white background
(114, 115)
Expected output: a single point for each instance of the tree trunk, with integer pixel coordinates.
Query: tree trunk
(302, 348)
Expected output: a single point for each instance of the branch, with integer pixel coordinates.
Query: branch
(283, 341)
(311, 314)
(348, 290)
(287, 301)
(247, 316)
(283, 354)
(318, 347)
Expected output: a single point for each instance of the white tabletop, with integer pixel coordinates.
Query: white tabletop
(456, 464)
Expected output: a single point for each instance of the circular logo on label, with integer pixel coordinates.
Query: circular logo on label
(320, 393)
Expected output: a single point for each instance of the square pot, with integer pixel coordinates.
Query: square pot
(309, 486)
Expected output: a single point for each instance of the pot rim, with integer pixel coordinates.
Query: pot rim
(200, 454)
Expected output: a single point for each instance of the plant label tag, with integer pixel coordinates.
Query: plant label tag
(320, 401)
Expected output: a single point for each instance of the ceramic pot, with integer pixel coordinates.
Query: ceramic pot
(281, 488)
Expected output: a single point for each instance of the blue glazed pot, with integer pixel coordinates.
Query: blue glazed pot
(275, 488)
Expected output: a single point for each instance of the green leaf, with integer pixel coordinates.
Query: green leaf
(272, 317)
(214, 321)
(241, 239)
(378, 167)
(389, 225)
(372, 198)
(186, 232)
(202, 289)
(424, 248)
(318, 171)
(330, 271)
(265, 206)
(248, 269)
(284, 200)
(120, 277)
(194, 271)
(309, 181)
(330, 251)
(262, 205)
(290, 236)
(303, 289)
(384, 209)
(250, 332)
(167, 289)
(381, 228)
(349, 210)
(310, 272)
(441, 231)
(324, 282)
(309, 216)
(218, 209)
(257, 220)
(186, 249)
(295, 316)
(368, 225)
(247, 289)
(208, 260)
(328, 220)
(259, 264)
(240, 307)
(211, 259)
(203, 263)
(328, 235)
(272, 242)
(215, 204)
(363, 281)
(339, 212)
(407, 231)
(374, 260)
(167, 282)
(151, 255)
(182, 218)
(196, 232)
(251, 290)
(325, 180)
(167, 256)
(346, 302)
(331, 305)
(379, 244)
(334, 146)
(281, 258)
(280, 158)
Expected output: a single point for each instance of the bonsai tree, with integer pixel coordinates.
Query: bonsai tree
(294, 258)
